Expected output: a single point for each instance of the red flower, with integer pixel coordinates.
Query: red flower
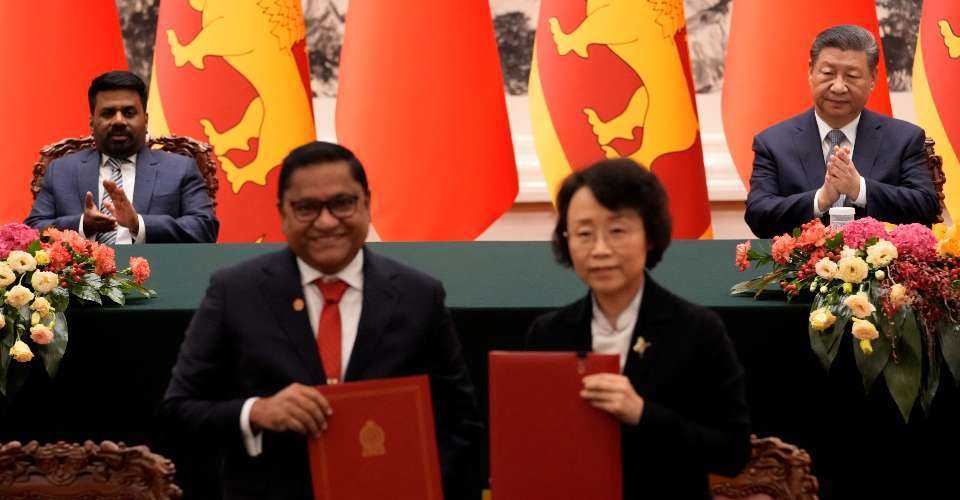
(814, 233)
(742, 260)
(105, 258)
(140, 269)
(78, 243)
(59, 257)
(782, 247)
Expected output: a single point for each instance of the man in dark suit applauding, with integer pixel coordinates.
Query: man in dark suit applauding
(124, 192)
(262, 339)
(838, 153)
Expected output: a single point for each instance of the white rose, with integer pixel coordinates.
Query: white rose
(3, 320)
(852, 269)
(826, 268)
(21, 262)
(881, 253)
(42, 306)
(848, 252)
(859, 304)
(18, 296)
(44, 281)
(6, 275)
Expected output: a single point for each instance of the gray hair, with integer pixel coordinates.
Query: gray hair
(847, 37)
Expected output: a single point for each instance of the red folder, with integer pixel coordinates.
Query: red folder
(546, 442)
(379, 442)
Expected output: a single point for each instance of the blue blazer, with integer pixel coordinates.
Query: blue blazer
(788, 168)
(168, 193)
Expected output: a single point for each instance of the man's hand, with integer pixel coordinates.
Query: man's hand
(842, 173)
(121, 208)
(613, 393)
(298, 408)
(95, 221)
(828, 194)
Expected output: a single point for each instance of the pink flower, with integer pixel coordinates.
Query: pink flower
(15, 236)
(814, 233)
(782, 247)
(140, 269)
(856, 233)
(916, 240)
(59, 257)
(742, 261)
(105, 259)
(53, 234)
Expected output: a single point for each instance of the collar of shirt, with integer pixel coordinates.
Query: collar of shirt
(351, 274)
(625, 322)
(849, 130)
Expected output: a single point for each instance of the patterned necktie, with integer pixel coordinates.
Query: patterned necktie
(329, 328)
(834, 138)
(110, 237)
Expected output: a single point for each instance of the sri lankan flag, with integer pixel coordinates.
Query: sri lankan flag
(616, 82)
(235, 75)
(936, 88)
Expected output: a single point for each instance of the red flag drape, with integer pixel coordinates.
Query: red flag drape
(421, 103)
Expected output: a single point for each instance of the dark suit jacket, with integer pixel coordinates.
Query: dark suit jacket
(168, 193)
(788, 168)
(247, 340)
(695, 418)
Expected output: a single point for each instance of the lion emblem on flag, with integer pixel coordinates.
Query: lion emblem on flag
(255, 38)
(641, 34)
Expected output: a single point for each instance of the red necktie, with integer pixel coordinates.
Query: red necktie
(328, 328)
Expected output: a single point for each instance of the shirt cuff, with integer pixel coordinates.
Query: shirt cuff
(861, 200)
(816, 204)
(141, 237)
(252, 442)
(80, 230)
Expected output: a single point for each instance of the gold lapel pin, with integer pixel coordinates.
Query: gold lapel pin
(641, 346)
(298, 304)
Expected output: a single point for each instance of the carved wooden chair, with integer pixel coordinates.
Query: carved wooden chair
(199, 151)
(88, 471)
(935, 162)
(776, 471)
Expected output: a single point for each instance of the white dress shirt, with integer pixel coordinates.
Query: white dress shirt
(615, 339)
(351, 304)
(128, 172)
(850, 139)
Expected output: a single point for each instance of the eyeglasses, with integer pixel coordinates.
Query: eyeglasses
(616, 235)
(340, 206)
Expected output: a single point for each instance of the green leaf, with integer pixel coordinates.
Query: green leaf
(60, 299)
(9, 336)
(836, 242)
(755, 286)
(871, 366)
(797, 232)
(933, 383)
(903, 376)
(826, 344)
(93, 280)
(86, 292)
(950, 346)
(34, 247)
(53, 352)
(114, 294)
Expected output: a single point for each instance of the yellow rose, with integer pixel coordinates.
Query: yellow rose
(821, 319)
(21, 262)
(43, 258)
(865, 332)
(949, 244)
(826, 268)
(42, 306)
(881, 253)
(6, 275)
(859, 305)
(898, 296)
(3, 320)
(44, 281)
(852, 269)
(18, 296)
(21, 352)
(41, 334)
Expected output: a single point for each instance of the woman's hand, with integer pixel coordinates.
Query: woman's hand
(613, 393)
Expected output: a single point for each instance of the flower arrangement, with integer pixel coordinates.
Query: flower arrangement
(898, 289)
(38, 275)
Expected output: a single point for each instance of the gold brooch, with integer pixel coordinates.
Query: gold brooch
(641, 346)
(298, 304)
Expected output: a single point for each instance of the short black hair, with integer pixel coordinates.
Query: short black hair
(116, 80)
(617, 184)
(317, 153)
(847, 37)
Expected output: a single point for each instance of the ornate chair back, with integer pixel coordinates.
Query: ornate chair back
(935, 163)
(776, 471)
(62, 470)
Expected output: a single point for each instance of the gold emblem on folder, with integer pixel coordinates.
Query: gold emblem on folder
(372, 440)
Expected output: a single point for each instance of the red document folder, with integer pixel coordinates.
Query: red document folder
(546, 442)
(379, 442)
